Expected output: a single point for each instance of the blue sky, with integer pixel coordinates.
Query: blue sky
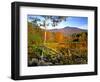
(71, 21)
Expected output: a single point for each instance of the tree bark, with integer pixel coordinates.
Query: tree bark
(45, 35)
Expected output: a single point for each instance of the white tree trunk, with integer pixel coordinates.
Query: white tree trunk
(44, 41)
(45, 35)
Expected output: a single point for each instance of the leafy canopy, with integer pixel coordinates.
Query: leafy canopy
(47, 20)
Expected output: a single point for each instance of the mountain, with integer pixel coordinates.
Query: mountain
(68, 30)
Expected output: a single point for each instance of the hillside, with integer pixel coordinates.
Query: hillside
(68, 30)
(59, 48)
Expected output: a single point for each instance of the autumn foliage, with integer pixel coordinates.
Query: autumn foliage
(59, 49)
(59, 37)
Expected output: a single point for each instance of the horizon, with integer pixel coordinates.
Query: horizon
(63, 28)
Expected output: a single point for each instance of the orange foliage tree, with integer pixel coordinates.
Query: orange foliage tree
(48, 36)
(59, 37)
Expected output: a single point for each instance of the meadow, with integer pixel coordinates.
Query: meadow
(58, 49)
